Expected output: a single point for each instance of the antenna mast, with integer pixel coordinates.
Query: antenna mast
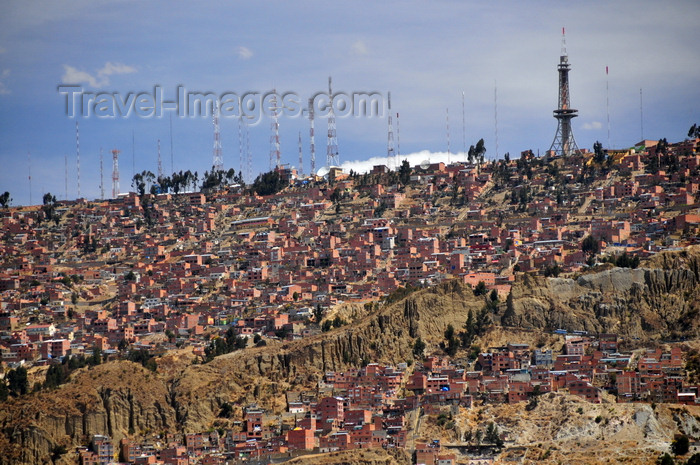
(249, 172)
(607, 102)
(241, 155)
(390, 153)
(301, 157)
(275, 156)
(218, 160)
(564, 143)
(332, 157)
(172, 166)
(398, 138)
(102, 179)
(464, 129)
(447, 120)
(495, 113)
(77, 152)
(66, 178)
(115, 173)
(29, 165)
(641, 114)
(160, 162)
(312, 143)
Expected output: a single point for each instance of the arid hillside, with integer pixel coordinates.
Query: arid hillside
(661, 299)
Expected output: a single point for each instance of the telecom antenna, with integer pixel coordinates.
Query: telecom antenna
(495, 113)
(312, 143)
(133, 154)
(464, 129)
(77, 152)
(607, 102)
(66, 177)
(390, 153)
(172, 166)
(102, 179)
(301, 157)
(332, 157)
(275, 155)
(241, 155)
(564, 143)
(641, 114)
(160, 162)
(249, 171)
(447, 121)
(115, 173)
(398, 138)
(218, 160)
(29, 166)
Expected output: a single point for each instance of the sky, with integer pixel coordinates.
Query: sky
(502, 56)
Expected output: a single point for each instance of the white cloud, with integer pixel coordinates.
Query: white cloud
(73, 75)
(360, 48)
(115, 68)
(593, 125)
(244, 53)
(416, 158)
(3, 86)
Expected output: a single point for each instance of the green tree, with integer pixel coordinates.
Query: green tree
(480, 288)
(4, 392)
(5, 199)
(694, 133)
(680, 444)
(418, 348)
(590, 245)
(17, 381)
(665, 460)
(405, 172)
(694, 459)
(318, 313)
(599, 156)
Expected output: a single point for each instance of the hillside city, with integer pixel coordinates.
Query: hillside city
(220, 267)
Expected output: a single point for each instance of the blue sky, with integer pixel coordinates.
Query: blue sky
(425, 53)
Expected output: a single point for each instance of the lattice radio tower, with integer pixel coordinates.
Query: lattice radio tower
(115, 173)
(447, 123)
(77, 152)
(218, 159)
(398, 137)
(332, 157)
(275, 154)
(312, 143)
(564, 143)
(102, 179)
(391, 161)
(160, 163)
(301, 157)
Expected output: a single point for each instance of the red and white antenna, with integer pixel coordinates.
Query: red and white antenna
(77, 151)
